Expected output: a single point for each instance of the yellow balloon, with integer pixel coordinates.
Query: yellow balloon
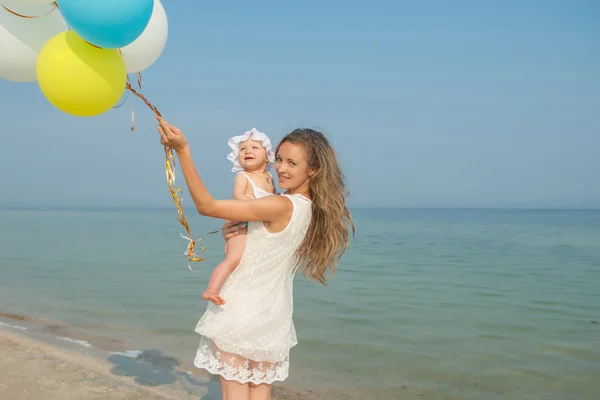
(79, 78)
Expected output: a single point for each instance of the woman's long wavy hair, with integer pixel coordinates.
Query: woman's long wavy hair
(328, 235)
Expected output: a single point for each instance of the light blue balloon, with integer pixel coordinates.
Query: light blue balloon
(110, 24)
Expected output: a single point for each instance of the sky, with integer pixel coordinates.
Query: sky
(427, 103)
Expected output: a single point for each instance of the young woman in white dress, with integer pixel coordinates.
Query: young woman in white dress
(247, 340)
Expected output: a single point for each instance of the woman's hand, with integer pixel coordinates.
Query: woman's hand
(233, 228)
(170, 136)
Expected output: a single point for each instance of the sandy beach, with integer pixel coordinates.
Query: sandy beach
(32, 370)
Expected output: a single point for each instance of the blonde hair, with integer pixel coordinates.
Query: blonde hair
(328, 235)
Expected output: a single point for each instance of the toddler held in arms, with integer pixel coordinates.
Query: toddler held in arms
(252, 156)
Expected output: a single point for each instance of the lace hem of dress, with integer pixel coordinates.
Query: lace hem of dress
(236, 368)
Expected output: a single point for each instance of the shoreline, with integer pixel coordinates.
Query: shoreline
(39, 359)
(33, 369)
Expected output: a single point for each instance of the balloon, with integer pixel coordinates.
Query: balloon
(22, 39)
(146, 49)
(78, 78)
(110, 24)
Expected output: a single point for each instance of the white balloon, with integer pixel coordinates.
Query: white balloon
(22, 39)
(146, 49)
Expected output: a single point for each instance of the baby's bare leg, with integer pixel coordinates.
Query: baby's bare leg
(235, 250)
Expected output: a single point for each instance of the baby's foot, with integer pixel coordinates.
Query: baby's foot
(212, 295)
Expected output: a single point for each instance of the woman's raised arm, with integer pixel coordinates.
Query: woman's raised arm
(269, 208)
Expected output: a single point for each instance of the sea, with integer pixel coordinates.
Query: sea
(425, 304)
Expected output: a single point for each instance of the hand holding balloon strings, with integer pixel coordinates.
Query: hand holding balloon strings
(173, 188)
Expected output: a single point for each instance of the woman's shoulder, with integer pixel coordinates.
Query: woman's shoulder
(298, 201)
(297, 197)
(289, 202)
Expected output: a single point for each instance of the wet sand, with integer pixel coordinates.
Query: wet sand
(32, 370)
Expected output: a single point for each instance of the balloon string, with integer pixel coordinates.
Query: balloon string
(54, 7)
(175, 191)
(16, 14)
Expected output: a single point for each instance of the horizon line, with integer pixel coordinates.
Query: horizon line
(357, 207)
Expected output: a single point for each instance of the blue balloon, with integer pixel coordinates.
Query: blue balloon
(110, 24)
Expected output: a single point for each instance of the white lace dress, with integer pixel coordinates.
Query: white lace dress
(249, 338)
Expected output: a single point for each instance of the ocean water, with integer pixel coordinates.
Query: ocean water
(449, 304)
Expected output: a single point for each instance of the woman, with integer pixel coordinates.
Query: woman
(247, 340)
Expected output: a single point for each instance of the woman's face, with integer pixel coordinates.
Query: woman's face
(291, 166)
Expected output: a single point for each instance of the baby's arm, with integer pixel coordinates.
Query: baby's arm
(240, 187)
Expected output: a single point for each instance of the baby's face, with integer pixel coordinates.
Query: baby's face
(253, 155)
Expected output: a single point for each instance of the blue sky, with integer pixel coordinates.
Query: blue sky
(428, 103)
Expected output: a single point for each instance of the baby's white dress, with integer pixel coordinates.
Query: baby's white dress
(249, 338)
(258, 191)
